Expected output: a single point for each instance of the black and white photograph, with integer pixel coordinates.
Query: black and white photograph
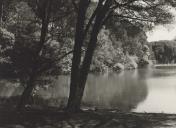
(87, 63)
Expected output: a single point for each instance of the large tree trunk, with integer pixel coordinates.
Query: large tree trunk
(79, 39)
(78, 83)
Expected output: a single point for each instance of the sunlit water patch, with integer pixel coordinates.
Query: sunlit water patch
(161, 95)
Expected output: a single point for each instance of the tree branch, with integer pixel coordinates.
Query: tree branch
(75, 5)
(136, 18)
(51, 62)
(93, 16)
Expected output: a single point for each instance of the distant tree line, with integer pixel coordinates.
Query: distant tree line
(164, 51)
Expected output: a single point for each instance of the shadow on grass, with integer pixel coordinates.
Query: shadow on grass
(55, 117)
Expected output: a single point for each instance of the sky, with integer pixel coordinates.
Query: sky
(163, 32)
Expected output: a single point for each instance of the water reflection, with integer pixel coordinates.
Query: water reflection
(8, 89)
(162, 93)
(123, 91)
(144, 90)
(151, 90)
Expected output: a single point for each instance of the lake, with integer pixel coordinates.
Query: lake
(143, 90)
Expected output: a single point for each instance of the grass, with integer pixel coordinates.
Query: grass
(56, 117)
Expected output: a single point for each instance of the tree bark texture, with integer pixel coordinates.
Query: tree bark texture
(80, 73)
(79, 39)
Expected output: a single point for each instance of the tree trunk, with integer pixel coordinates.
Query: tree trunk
(79, 39)
(31, 82)
(24, 99)
(1, 12)
(79, 83)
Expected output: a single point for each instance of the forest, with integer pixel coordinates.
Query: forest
(41, 40)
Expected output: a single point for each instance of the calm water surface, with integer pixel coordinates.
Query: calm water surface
(146, 90)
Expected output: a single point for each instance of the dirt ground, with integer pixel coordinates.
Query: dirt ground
(57, 118)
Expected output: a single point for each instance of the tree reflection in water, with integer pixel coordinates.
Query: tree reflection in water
(123, 91)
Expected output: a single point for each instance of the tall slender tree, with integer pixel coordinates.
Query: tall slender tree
(49, 13)
(46, 10)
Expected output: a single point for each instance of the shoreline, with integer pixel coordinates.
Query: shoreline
(57, 118)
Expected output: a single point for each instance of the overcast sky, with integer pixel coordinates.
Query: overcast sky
(160, 32)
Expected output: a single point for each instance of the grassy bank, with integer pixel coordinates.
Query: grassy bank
(57, 118)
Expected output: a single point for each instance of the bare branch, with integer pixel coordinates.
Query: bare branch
(107, 17)
(136, 18)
